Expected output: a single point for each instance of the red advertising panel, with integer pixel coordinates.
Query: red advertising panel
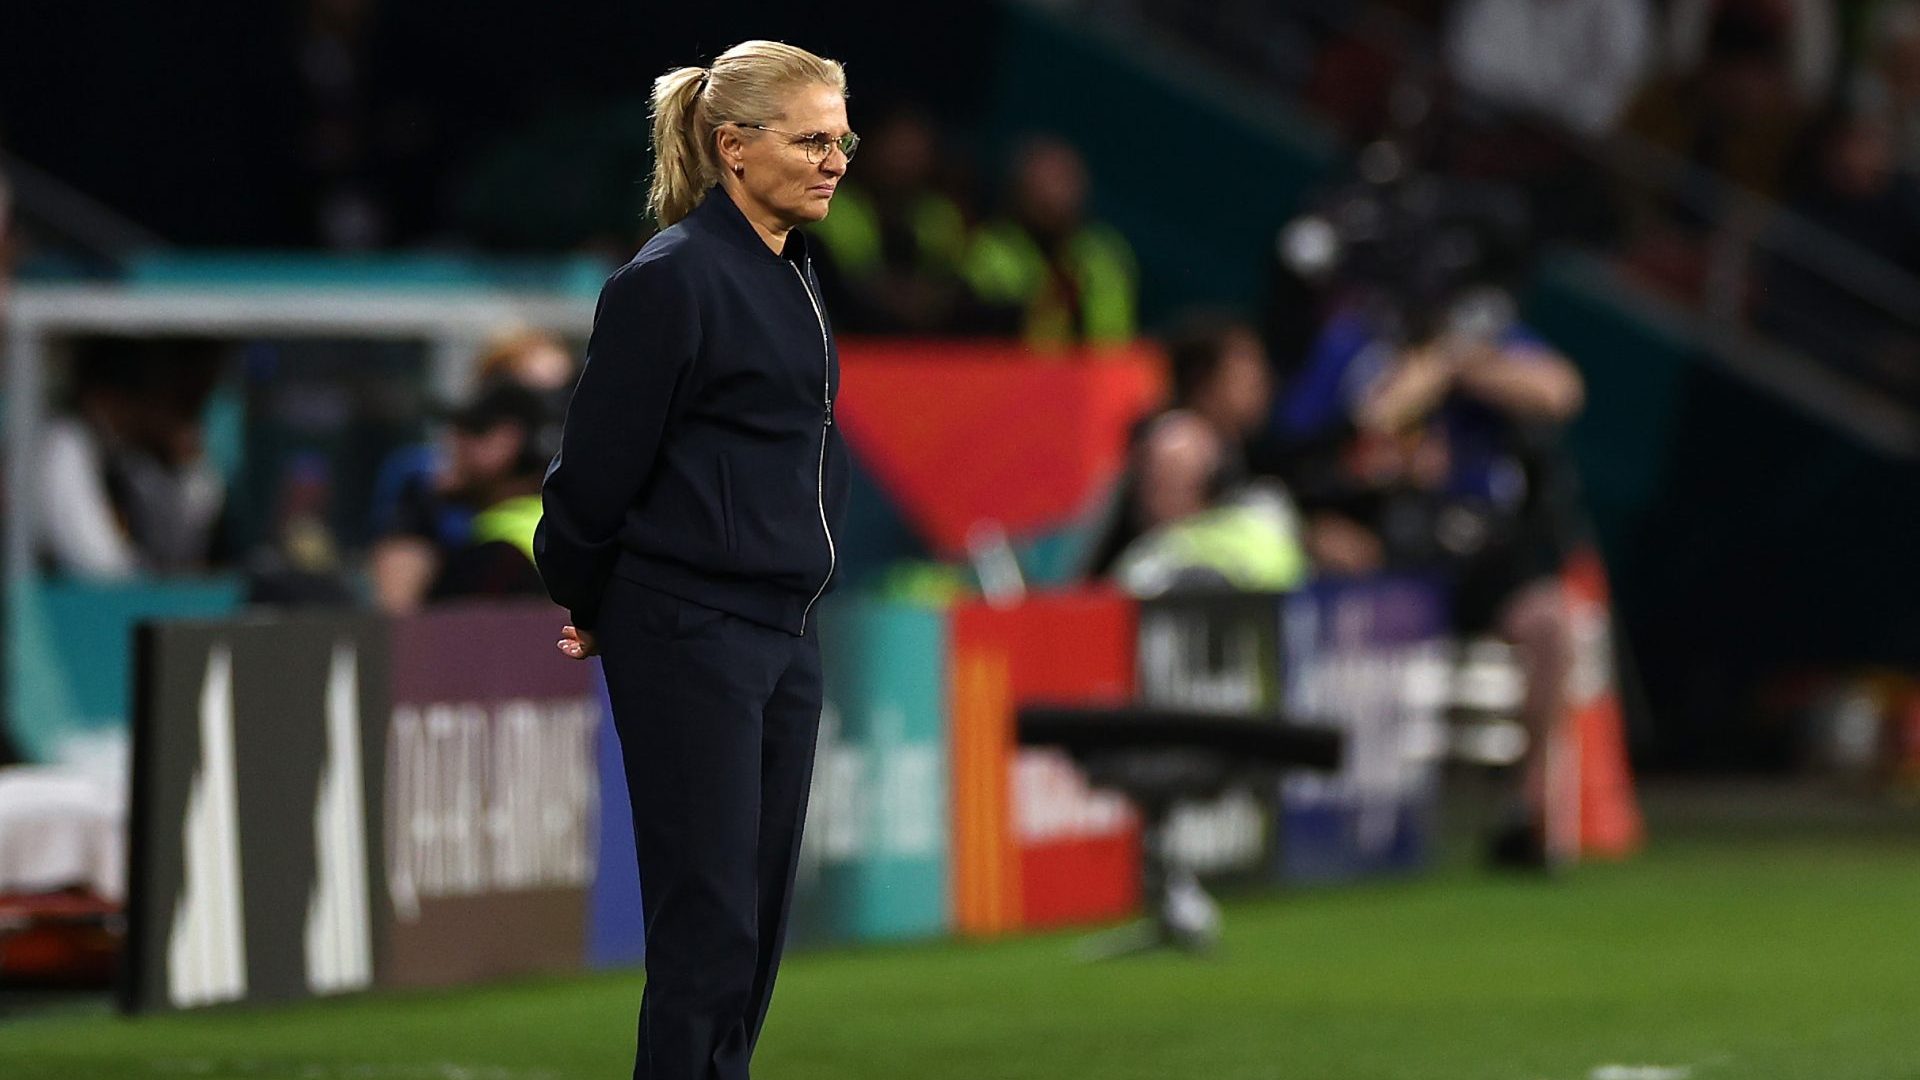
(961, 433)
(1033, 845)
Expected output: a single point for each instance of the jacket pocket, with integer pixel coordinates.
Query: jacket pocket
(726, 503)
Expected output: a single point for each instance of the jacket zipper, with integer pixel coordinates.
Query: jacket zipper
(820, 471)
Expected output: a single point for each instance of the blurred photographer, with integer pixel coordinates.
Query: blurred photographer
(419, 513)
(1424, 429)
(499, 447)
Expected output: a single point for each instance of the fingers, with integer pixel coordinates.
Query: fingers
(575, 643)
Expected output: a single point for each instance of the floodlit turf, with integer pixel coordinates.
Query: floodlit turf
(1743, 959)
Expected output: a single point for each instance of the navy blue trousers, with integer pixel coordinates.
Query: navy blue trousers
(717, 718)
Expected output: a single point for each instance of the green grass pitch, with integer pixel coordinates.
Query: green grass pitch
(1754, 958)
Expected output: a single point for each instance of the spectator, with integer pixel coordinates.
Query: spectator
(1183, 497)
(1734, 104)
(338, 147)
(1442, 439)
(298, 564)
(1575, 62)
(1850, 187)
(500, 445)
(893, 243)
(416, 514)
(1732, 110)
(125, 487)
(1889, 83)
(1045, 272)
(1853, 187)
(1803, 32)
(536, 359)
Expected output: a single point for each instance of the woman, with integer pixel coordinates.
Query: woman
(1183, 458)
(689, 524)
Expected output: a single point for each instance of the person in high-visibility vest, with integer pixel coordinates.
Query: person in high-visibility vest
(500, 445)
(1184, 510)
(1045, 272)
(894, 245)
(416, 520)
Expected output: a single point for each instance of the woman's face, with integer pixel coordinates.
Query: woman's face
(543, 367)
(1242, 388)
(775, 174)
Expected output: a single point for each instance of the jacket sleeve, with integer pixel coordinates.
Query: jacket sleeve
(646, 332)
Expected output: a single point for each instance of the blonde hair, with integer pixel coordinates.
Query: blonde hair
(747, 84)
(502, 353)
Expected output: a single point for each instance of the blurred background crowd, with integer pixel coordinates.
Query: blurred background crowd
(1397, 256)
(1598, 319)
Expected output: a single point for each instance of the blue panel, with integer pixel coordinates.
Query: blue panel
(616, 930)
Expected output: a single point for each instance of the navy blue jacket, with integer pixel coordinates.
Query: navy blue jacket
(700, 456)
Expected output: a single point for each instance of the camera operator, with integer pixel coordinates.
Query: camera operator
(1424, 427)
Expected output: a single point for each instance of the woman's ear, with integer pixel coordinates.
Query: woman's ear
(731, 147)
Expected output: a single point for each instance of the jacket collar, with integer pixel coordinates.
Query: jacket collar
(718, 212)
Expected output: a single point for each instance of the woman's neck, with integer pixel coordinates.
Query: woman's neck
(772, 229)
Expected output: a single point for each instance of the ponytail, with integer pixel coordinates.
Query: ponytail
(682, 151)
(747, 84)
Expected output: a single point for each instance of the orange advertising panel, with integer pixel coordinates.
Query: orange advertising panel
(1033, 846)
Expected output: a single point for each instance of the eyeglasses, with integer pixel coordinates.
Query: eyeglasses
(817, 145)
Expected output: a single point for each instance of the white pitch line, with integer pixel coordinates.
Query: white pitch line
(1641, 1072)
(445, 1070)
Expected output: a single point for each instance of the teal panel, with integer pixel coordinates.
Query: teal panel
(70, 652)
(1053, 559)
(570, 275)
(874, 865)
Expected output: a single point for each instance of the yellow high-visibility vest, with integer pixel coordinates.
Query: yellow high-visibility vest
(1005, 265)
(512, 520)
